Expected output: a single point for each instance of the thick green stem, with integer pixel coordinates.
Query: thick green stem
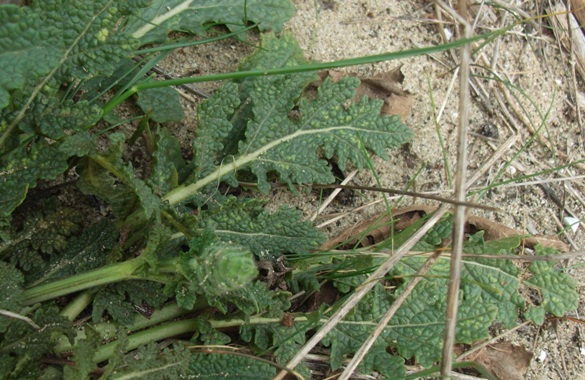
(106, 275)
(107, 330)
(75, 307)
(143, 337)
(174, 329)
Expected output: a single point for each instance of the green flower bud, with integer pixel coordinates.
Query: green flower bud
(223, 268)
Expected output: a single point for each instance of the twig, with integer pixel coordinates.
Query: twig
(391, 191)
(333, 195)
(461, 171)
(559, 257)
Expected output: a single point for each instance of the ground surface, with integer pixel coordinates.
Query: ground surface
(528, 57)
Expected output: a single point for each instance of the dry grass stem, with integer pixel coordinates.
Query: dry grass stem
(332, 218)
(563, 230)
(568, 32)
(447, 95)
(539, 182)
(511, 7)
(503, 149)
(332, 196)
(460, 189)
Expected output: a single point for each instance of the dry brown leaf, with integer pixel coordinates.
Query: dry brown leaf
(505, 360)
(575, 41)
(378, 227)
(327, 295)
(495, 231)
(578, 8)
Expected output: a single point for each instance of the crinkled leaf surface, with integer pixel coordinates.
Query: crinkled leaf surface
(151, 363)
(267, 234)
(254, 299)
(276, 143)
(482, 281)
(168, 167)
(74, 38)
(80, 144)
(285, 340)
(82, 253)
(22, 347)
(557, 289)
(22, 169)
(348, 336)
(11, 282)
(161, 104)
(213, 129)
(25, 53)
(83, 353)
(88, 32)
(119, 300)
(154, 23)
(97, 181)
(44, 46)
(142, 193)
(225, 366)
(51, 117)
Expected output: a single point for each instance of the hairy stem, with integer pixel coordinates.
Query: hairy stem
(106, 275)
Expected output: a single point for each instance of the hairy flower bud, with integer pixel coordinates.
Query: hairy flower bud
(223, 268)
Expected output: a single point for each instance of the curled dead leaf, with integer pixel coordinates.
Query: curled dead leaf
(378, 228)
(505, 360)
(494, 230)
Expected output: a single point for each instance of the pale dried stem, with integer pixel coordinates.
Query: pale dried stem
(474, 82)
(577, 194)
(574, 42)
(361, 353)
(332, 218)
(503, 149)
(382, 270)
(460, 188)
(332, 196)
(540, 182)
(526, 258)
(562, 229)
(520, 12)
(447, 95)
(549, 191)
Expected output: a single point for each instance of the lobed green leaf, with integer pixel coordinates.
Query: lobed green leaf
(25, 52)
(152, 24)
(266, 234)
(228, 365)
(22, 168)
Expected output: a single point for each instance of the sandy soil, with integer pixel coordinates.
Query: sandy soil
(530, 59)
